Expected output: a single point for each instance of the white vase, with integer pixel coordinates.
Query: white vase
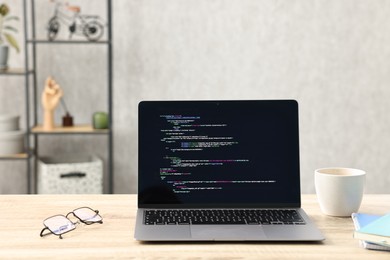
(3, 57)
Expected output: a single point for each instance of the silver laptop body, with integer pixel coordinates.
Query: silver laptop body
(220, 171)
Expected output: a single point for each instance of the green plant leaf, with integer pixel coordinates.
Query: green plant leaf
(10, 28)
(11, 40)
(8, 18)
(4, 9)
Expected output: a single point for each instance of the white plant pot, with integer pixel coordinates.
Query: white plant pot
(9, 123)
(4, 57)
(12, 142)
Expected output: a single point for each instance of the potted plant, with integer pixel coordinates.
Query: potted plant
(6, 37)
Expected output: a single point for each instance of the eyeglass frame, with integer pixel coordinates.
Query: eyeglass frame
(74, 223)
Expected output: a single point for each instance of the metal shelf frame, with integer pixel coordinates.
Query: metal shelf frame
(32, 123)
(25, 72)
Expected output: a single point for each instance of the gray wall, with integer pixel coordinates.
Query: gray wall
(333, 56)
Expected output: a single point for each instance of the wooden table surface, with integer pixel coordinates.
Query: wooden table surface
(21, 219)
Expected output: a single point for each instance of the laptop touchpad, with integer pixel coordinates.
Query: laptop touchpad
(227, 232)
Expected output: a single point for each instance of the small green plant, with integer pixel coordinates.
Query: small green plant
(7, 30)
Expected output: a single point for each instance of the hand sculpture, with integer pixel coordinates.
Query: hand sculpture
(51, 96)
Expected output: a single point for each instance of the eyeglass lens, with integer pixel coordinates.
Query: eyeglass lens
(59, 224)
(87, 214)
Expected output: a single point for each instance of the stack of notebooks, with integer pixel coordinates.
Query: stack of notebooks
(372, 230)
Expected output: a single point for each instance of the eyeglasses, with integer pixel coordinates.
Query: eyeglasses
(60, 224)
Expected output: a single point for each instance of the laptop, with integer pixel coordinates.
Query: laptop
(220, 171)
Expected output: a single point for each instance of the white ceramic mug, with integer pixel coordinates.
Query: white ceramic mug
(339, 190)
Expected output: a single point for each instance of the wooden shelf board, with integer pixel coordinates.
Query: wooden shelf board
(15, 71)
(14, 156)
(78, 129)
(64, 41)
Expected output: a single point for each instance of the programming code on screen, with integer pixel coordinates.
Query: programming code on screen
(197, 154)
(208, 153)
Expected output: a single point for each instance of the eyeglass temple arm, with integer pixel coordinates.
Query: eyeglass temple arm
(43, 230)
(46, 228)
(92, 222)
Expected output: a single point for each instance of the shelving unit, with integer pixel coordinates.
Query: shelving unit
(29, 153)
(35, 130)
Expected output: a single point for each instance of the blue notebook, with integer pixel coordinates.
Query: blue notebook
(366, 222)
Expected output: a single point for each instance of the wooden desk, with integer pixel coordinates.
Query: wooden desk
(21, 219)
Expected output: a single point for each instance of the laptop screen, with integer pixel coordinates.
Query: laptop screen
(218, 154)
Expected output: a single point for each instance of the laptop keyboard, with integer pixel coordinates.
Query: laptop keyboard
(223, 216)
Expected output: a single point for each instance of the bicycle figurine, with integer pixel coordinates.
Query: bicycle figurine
(90, 26)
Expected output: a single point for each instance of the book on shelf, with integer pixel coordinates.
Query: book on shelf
(372, 230)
